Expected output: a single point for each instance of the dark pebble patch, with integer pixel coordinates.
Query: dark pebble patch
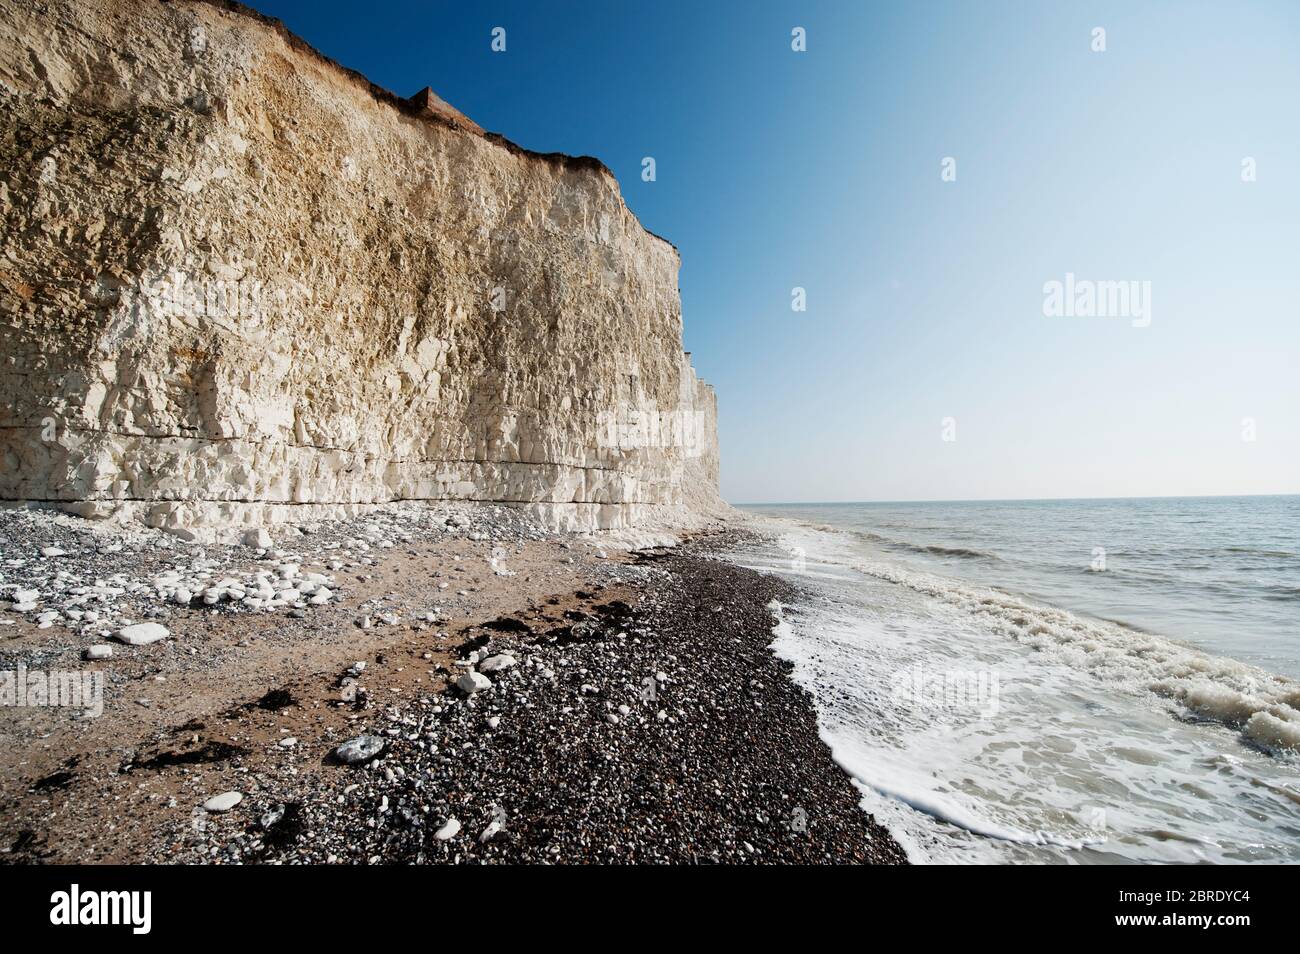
(733, 772)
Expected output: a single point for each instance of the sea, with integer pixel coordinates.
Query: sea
(1062, 681)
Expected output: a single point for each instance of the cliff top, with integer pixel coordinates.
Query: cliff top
(426, 105)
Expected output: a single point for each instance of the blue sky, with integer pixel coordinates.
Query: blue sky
(821, 170)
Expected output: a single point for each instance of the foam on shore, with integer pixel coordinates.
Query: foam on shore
(1264, 706)
(1057, 736)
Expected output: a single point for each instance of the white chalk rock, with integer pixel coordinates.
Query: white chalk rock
(448, 831)
(142, 634)
(223, 802)
(300, 421)
(472, 682)
(361, 749)
(258, 538)
(498, 662)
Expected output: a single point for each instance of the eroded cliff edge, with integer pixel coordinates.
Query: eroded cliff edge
(241, 285)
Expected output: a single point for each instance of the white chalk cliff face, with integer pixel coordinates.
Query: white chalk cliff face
(240, 285)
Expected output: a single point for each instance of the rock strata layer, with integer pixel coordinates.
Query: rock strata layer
(241, 285)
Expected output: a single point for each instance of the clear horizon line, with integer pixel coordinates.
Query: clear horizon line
(901, 500)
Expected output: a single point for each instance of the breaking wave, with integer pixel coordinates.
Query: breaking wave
(1072, 735)
(933, 549)
(1263, 706)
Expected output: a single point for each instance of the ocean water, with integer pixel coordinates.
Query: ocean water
(1091, 681)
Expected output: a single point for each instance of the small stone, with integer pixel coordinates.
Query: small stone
(498, 662)
(98, 651)
(53, 552)
(288, 743)
(361, 749)
(142, 634)
(258, 539)
(472, 682)
(224, 802)
(449, 830)
(273, 817)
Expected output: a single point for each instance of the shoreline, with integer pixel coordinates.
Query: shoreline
(637, 713)
(965, 669)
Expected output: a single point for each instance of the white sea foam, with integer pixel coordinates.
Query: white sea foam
(1212, 687)
(1108, 743)
(1275, 730)
(895, 784)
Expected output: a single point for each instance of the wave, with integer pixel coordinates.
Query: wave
(952, 551)
(869, 774)
(947, 810)
(1111, 742)
(931, 548)
(1263, 706)
(1285, 554)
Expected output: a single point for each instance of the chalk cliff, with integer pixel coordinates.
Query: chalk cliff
(241, 285)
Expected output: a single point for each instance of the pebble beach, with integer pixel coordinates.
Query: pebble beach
(421, 685)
